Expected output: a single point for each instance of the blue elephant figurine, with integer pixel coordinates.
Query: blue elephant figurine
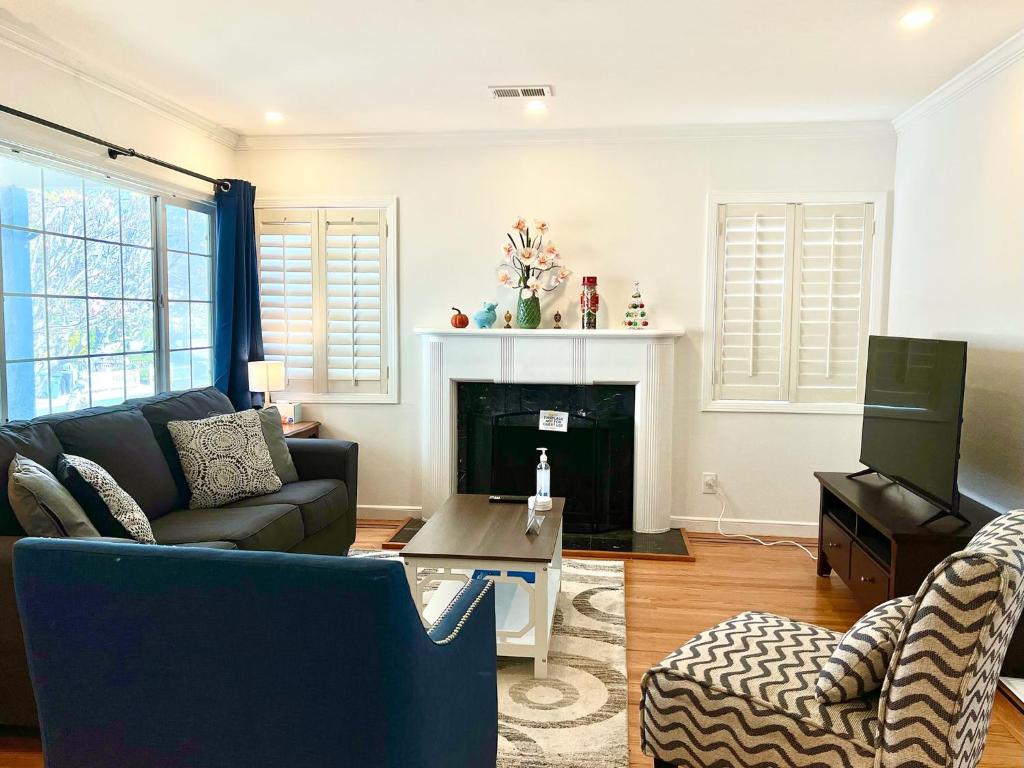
(485, 317)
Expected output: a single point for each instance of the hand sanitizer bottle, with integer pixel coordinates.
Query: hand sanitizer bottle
(543, 475)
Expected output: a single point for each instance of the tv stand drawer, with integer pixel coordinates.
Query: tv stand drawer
(868, 581)
(835, 545)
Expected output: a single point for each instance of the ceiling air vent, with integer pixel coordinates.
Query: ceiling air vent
(521, 91)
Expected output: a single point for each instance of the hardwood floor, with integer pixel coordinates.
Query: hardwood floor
(669, 602)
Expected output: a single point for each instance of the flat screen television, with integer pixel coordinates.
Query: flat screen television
(913, 409)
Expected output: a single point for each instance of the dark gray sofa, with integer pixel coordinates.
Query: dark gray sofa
(316, 515)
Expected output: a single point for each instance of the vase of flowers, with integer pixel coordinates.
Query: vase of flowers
(531, 267)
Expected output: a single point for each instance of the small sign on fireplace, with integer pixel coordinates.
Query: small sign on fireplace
(554, 421)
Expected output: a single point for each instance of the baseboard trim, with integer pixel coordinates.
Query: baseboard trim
(387, 512)
(781, 528)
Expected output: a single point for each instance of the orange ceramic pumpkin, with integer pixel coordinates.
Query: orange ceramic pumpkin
(459, 320)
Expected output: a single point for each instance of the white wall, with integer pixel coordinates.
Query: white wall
(34, 84)
(958, 258)
(623, 211)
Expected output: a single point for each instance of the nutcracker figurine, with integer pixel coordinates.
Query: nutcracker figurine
(589, 303)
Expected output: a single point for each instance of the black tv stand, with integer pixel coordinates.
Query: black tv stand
(862, 473)
(945, 513)
(882, 541)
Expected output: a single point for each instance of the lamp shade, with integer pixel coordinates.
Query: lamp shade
(266, 376)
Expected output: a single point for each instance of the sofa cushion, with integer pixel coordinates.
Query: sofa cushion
(180, 406)
(113, 511)
(224, 458)
(273, 432)
(43, 506)
(274, 527)
(321, 502)
(33, 440)
(102, 435)
(742, 693)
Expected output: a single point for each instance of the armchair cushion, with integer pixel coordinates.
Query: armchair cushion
(859, 663)
(936, 703)
(742, 693)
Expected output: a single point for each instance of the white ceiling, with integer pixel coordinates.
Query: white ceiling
(336, 66)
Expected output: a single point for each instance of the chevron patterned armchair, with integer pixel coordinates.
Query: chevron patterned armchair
(742, 693)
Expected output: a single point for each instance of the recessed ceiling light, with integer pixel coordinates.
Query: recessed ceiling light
(273, 117)
(536, 106)
(917, 18)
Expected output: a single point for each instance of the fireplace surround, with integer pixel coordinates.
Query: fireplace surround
(642, 360)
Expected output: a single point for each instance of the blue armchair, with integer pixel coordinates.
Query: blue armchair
(161, 656)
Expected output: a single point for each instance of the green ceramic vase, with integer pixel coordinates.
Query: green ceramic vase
(528, 312)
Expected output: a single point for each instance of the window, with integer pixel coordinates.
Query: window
(791, 309)
(188, 239)
(82, 273)
(327, 282)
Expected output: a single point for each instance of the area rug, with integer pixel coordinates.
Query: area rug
(576, 717)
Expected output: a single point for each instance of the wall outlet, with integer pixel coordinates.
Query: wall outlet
(709, 482)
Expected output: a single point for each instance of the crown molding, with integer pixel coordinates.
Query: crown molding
(992, 63)
(58, 57)
(611, 135)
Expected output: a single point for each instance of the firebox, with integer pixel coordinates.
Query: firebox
(591, 462)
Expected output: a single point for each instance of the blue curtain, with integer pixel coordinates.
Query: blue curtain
(238, 337)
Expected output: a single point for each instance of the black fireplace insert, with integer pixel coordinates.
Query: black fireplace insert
(591, 463)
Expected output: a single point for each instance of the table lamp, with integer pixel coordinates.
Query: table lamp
(266, 376)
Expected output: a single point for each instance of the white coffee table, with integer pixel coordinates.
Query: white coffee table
(469, 534)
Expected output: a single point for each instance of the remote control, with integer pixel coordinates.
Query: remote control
(507, 499)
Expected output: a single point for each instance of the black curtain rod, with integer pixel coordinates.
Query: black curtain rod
(113, 150)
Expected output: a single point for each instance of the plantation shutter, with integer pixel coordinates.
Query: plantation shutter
(354, 246)
(754, 277)
(286, 243)
(832, 267)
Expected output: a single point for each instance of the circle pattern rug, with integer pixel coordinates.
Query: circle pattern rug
(576, 717)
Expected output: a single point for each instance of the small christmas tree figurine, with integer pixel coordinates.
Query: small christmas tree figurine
(636, 312)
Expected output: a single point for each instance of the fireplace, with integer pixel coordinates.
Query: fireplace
(591, 463)
(632, 364)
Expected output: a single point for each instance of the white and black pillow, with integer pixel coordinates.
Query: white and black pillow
(109, 507)
(224, 458)
(859, 663)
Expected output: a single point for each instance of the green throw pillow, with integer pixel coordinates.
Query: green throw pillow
(42, 505)
(273, 432)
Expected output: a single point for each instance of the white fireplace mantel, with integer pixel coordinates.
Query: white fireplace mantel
(547, 356)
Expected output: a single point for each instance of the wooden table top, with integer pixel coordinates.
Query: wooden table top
(470, 527)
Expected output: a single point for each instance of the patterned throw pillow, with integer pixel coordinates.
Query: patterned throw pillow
(106, 502)
(858, 664)
(224, 458)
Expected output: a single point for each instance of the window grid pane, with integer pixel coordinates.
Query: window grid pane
(189, 293)
(78, 301)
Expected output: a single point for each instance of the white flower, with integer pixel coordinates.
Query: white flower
(505, 277)
(540, 225)
(551, 250)
(543, 260)
(507, 250)
(526, 293)
(520, 224)
(533, 284)
(563, 274)
(527, 254)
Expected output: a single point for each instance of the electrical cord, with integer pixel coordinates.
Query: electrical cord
(721, 515)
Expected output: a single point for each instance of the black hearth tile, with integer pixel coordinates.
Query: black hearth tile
(406, 532)
(627, 541)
